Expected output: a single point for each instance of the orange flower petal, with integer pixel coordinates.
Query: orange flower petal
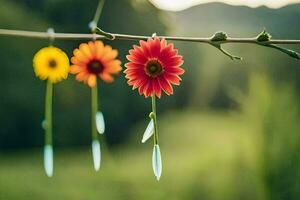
(106, 51)
(82, 76)
(80, 56)
(113, 69)
(106, 77)
(99, 47)
(112, 54)
(93, 48)
(76, 61)
(113, 66)
(75, 69)
(92, 80)
(85, 49)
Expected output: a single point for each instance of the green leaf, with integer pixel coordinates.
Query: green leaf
(48, 160)
(289, 52)
(264, 36)
(219, 36)
(44, 124)
(156, 162)
(149, 131)
(96, 151)
(100, 125)
(106, 34)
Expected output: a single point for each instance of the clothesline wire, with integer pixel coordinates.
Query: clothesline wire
(82, 36)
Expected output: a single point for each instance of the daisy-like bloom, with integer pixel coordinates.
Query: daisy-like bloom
(94, 59)
(154, 66)
(51, 63)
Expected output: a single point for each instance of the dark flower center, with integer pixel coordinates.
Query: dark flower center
(95, 67)
(52, 63)
(153, 68)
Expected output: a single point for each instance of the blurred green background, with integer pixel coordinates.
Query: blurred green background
(230, 131)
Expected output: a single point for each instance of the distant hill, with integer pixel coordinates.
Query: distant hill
(211, 72)
(239, 21)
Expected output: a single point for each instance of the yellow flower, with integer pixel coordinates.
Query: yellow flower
(51, 63)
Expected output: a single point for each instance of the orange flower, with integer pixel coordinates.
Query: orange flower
(94, 59)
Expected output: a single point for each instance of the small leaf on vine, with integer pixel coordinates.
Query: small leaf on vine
(264, 36)
(216, 41)
(219, 36)
(151, 115)
(149, 131)
(106, 34)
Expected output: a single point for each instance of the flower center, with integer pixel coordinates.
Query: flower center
(52, 63)
(95, 67)
(153, 68)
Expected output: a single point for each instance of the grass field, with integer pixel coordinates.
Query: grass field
(205, 156)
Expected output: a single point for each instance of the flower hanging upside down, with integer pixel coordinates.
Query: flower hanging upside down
(94, 59)
(154, 66)
(51, 63)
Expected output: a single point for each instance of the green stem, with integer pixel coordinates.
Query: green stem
(98, 11)
(94, 98)
(154, 119)
(48, 113)
(232, 57)
(289, 52)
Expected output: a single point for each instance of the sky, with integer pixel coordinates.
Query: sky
(176, 5)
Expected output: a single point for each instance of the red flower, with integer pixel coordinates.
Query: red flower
(154, 66)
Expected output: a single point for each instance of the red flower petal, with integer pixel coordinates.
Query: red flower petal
(172, 78)
(157, 88)
(149, 88)
(163, 43)
(165, 85)
(167, 53)
(173, 61)
(135, 59)
(134, 73)
(139, 82)
(154, 46)
(132, 65)
(142, 89)
(175, 70)
(145, 49)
